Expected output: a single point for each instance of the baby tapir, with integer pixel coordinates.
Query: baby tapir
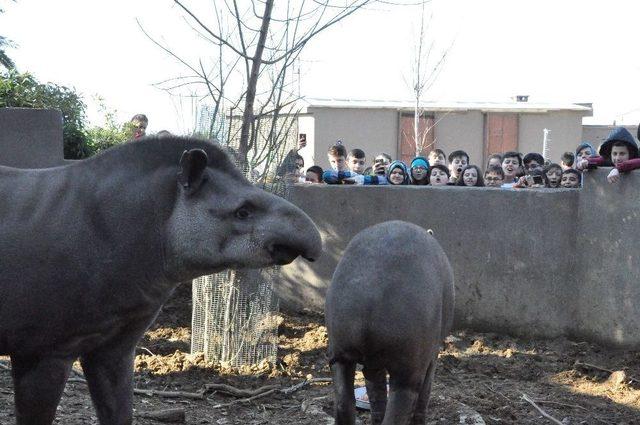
(389, 307)
(90, 251)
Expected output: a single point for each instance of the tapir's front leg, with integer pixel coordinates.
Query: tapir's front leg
(38, 384)
(109, 373)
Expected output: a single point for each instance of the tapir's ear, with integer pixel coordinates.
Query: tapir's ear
(192, 166)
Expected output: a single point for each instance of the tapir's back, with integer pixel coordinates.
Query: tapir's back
(394, 284)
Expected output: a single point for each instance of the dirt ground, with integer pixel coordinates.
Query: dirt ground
(478, 374)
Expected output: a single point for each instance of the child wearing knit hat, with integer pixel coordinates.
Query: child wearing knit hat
(397, 173)
(419, 171)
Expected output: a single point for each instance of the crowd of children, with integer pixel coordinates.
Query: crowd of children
(505, 170)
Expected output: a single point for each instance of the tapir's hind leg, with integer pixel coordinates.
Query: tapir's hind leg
(343, 374)
(38, 384)
(376, 381)
(404, 388)
(109, 373)
(420, 414)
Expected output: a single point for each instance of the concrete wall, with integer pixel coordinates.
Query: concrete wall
(566, 132)
(608, 290)
(555, 262)
(373, 130)
(31, 138)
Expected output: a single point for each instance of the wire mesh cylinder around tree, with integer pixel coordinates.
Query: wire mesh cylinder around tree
(234, 317)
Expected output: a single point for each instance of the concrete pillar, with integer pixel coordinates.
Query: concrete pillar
(31, 138)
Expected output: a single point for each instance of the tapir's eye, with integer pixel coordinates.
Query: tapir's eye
(243, 213)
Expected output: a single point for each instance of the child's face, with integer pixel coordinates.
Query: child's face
(338, 163)
(435, 158)
(356, 164)
(457, 164)
(418, 172)
(570, 181)
(396, 176)
(510, 167)
(438, 178)
(493, 179)
(494, 161)
(554, 176)
(564, 166)
(140, 128)
(380, 164)
(470, 177)
(312, 177)
(619, 154)
(299, 166)
(584, 153)
(533, 165)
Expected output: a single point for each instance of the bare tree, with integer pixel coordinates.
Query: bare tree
(249, 71)
(425, 68)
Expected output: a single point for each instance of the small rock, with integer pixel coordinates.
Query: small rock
(618, 377)
(468, 416)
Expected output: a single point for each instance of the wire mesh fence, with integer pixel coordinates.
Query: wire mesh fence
(234, 317)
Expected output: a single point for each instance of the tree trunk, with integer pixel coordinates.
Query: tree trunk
(416, 125)
(248, 115)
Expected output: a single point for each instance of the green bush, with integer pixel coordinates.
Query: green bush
(102, 138)
(22, 90)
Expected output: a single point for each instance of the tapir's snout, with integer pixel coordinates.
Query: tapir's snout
(283, 254)
(297, 235)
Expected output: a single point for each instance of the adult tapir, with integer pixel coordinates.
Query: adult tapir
(389, 307)
(90, 251)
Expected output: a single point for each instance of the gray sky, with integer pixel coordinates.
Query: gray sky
(569, 50)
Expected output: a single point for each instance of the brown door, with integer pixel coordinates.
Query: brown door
(407, 148)
(500, 133)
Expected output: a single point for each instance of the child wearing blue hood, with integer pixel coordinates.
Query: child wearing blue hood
(619, 150)
(397, 173)
(419, 171)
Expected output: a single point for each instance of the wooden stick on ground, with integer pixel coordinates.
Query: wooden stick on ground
(560, 404)
(170, 394)
(237, 392)
(497, 392)
(303, 384)
(539, 409)
(600, 368)
(244, 400)
(285, 391)
(150, 393)
(166, 415)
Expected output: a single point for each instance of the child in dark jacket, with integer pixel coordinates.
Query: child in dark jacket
(470, 176)
(619, 150)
